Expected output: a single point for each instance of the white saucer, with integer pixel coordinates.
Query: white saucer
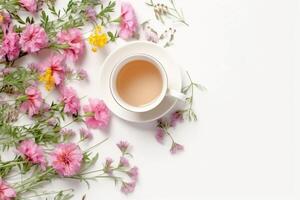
(140, 47)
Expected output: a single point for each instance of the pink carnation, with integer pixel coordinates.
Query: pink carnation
(33, 101)
(98, 115)
(70, 99)
(66, 159)
(128, 25)
(29, 5)
(33, 38)
(73, 38)
(6, 192)
(56, 63)
(10, 45)
(32, 152)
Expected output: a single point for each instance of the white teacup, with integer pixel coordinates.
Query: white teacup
(165, 90)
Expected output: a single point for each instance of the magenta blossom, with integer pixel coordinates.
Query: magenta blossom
(6, 192)
(32, 152)
(85, 133)
(128, 187)
(123, 146)
(108, 166)
(133, 173)
(82, 74)
(67, 132)
(33, 38)
(73, 38)
(123, 162)
(98, 115)
(70, 100)
(10, 47)
(66, 159)
(33, 101)
(176, 117)
(160, 135)
(176, 148)
(129, 24)
(29, 5)
(91, 14)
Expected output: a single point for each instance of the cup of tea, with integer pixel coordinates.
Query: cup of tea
(139, 83)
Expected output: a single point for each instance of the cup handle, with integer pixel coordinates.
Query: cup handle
(176, 94)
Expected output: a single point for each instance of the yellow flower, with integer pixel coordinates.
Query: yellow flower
(97, 39)
(1, 19)
(48, 79)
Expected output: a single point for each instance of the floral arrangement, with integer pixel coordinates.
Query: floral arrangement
(46, 148)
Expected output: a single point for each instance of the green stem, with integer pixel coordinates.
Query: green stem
(92, 147)
(48, 193)
(34, 180)
(166, 131)
(12, 163)
(91, 172)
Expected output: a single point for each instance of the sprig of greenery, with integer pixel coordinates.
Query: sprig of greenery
(104, 15)
(163, 11)
(17, 80)
(189, 90)
(12, 6)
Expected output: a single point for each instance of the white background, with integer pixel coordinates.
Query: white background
(245, 144)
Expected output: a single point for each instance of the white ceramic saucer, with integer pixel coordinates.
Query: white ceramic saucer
(139, 47)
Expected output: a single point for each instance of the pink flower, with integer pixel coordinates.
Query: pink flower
(7, 70)
(6, 192)
(73, 38)
(29, 5)
(160, 135)
(128, 187)
(82, 74)
(128, 25)
(55, 64)
(176, 117)
(66, 159)
(85, 133)
(123, 146)
(33, 101)
(91, 13)
(33, 38)
(134, 173)
(52, 122)
(67, 132)
(97, 113)
(176, 148)
(10, 45)
(70, 100)
(32, 152)
(123, 162)
(151, 35)
(108, 166)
